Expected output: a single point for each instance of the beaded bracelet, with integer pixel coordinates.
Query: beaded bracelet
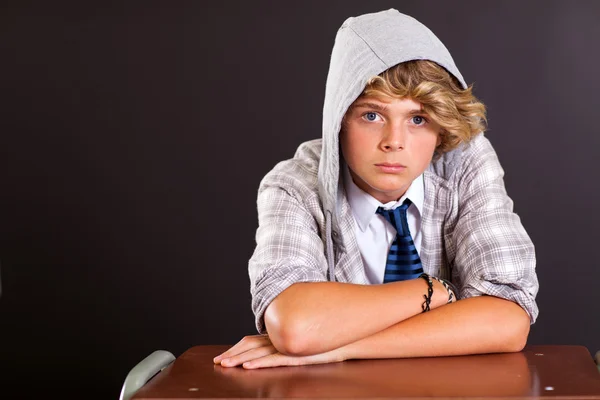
(427, 278)
(449, 288)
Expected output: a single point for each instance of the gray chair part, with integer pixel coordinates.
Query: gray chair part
(144, 371)
(598, 360)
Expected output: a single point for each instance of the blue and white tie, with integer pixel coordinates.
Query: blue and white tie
(403, 262)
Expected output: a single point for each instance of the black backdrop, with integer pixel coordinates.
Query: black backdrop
(134, 136)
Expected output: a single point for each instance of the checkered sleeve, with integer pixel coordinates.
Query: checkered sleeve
(288, 249)
(495, 255)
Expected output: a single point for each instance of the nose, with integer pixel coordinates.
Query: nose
(394, 138)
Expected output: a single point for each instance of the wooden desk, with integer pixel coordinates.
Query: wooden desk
(560, 372)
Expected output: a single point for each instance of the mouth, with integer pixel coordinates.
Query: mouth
(391, 167)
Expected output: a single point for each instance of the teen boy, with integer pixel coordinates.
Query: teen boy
(369, 236)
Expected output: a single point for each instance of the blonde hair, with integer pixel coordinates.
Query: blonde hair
(456, 110)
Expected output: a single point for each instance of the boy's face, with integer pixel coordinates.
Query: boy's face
(387, 143)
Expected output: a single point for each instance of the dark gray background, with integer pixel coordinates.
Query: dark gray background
(134, 137)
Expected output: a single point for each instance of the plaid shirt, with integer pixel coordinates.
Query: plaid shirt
(470, 233)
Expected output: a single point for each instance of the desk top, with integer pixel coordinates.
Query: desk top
(559, 372)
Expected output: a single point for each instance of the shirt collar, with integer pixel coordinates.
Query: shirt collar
(364, 205)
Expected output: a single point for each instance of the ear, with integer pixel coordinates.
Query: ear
(439, 138)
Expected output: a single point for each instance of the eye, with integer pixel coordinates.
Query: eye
(418, 120)
(370, 116)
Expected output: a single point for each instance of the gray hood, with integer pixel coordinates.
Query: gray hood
(365, 46)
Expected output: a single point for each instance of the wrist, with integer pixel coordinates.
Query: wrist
(437, 293)
(449, 288)
(440, 295)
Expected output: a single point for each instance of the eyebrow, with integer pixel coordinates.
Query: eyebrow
(366, 104)
(382, 108)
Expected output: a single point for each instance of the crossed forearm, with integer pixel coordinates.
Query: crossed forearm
(476, 325)
(312, 318)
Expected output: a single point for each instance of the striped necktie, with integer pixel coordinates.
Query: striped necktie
(403, 262)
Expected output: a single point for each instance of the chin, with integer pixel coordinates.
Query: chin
(391, 193)
(390, 187)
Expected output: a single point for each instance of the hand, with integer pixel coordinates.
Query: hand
(258, 352)
(494, 373)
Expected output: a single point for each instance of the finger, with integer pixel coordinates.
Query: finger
(280, 360)
(247, 343)
(272, 360)
(248, 356)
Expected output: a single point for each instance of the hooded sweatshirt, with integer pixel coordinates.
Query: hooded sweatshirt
(470, 234)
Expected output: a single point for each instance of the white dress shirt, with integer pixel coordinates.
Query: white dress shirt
(373, 233)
